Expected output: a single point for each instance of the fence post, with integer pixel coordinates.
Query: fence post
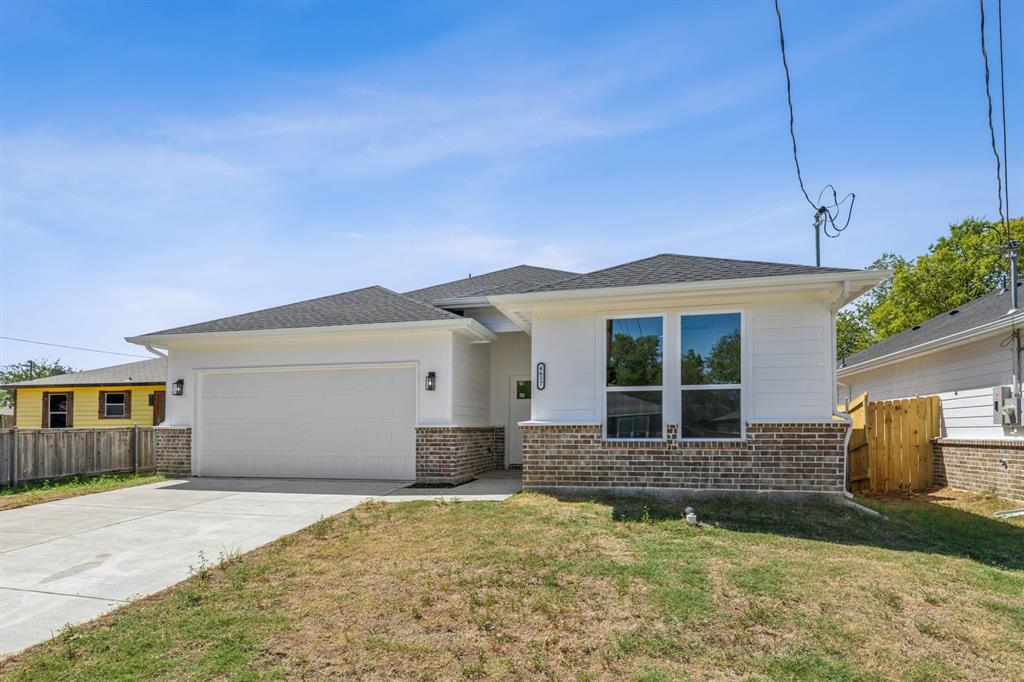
(14, 457)
(135, 448)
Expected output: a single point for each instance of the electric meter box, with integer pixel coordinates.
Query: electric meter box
(1004, 407)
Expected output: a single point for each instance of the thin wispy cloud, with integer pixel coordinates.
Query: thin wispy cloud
(525, 134)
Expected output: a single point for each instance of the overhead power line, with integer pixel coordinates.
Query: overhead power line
(1002, 104)
(826, 215)
(991, 124)
(59, 345)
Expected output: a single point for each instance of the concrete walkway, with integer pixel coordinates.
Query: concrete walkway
(72, 560)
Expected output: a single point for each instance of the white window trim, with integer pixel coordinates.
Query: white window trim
(106, 405)
(743, 386)
(603, 362)
(50, 412)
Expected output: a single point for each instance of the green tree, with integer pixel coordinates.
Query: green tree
(853, 333)
(967, 263)
(26, 371)
(724, 360)
(721, 366)
(634, 361)
(959, 267)
(692, 368)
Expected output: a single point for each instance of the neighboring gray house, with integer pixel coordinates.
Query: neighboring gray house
(966, 357)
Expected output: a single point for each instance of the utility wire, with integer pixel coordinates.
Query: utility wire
(825, 215)
(58, 345)
(789, 100)
(991, 125)
(1002, 104)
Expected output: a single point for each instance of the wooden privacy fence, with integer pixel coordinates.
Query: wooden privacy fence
(891, 443)
(36, 454)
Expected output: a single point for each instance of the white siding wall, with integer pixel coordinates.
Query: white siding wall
(471, 382)
(510, 356)
(788, 365)
(431, 351)
(567, 344)
(963, 377)
(791, 361)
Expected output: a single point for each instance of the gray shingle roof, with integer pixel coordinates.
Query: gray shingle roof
(377, 305)
(980, 311)
(372, 305)
(513, 280)
(143, 372)
(670, 268)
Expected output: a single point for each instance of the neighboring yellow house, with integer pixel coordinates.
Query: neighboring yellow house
(121, 395)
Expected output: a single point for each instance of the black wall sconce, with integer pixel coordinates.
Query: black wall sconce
(178, 387)
(431, 383)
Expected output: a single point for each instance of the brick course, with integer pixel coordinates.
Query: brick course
(172, 448)
(775, 456)
(455, 454)
(979, 466)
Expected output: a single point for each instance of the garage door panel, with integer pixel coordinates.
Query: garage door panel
(325, 423)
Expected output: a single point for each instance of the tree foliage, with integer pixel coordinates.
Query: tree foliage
(634, 360)
(26, 371)
(959, 267)
(721, 366)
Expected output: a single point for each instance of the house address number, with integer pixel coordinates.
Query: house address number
(541, 375)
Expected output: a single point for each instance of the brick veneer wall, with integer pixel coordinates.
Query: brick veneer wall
(775, 456)
(172, 448)
(455, 454)
(978, 466)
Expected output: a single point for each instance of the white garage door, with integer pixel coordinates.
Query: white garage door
(315, 423)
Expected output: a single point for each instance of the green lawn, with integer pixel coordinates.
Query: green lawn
(538, 588)
(47, 491)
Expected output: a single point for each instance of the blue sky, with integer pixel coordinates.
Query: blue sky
(165, 163)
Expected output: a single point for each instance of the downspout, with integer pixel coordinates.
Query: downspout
(154, 351)
(845, 416)
(849, 392)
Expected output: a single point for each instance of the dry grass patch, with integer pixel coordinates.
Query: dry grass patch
(538, 588)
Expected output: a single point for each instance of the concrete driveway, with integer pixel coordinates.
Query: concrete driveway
(72, 560)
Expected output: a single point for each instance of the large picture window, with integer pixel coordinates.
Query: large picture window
(634, 377)
(710, 377)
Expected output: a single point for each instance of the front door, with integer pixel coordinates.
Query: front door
(519, 411)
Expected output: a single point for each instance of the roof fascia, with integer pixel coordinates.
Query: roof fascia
(465, 325)
(860, 281)
(91, 384)
(467, 302)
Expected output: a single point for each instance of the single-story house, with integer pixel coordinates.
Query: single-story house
(966, 357)
(672, 371)
(122, 395)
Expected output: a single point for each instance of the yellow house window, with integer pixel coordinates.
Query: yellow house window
(57, 410)
(115, 405)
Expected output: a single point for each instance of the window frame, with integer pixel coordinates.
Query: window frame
(126, 405)
(66, 412)
(603, 363)
(742, 387)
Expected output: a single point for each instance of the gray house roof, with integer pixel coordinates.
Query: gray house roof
(671, 268)
(372, 305)
(981, 311)
(143, 372)
(377, 305)
(513, 280)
